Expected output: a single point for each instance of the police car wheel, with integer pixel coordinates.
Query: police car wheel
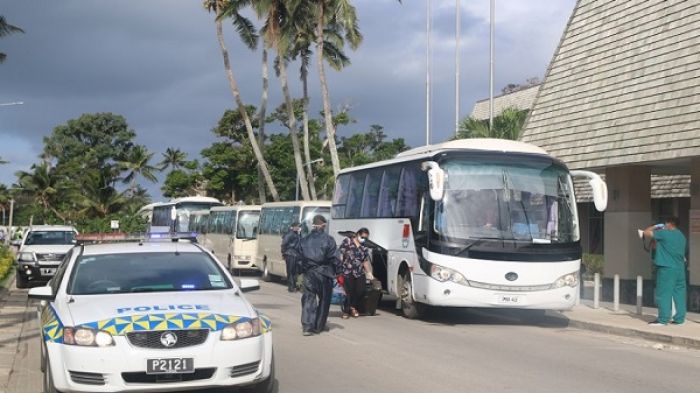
(267, 386)
(48, 378)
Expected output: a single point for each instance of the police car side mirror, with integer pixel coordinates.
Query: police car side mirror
(42, 293)
(249, 285)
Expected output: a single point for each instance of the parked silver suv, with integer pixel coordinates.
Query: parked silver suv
(41, 252)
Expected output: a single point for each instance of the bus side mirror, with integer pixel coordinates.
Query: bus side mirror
(436, 179)
(600, 189)
(173, 214)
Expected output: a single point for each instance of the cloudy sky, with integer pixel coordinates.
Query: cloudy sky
(157, 63)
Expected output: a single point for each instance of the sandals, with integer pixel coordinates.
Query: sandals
(354, 313)
(345, 316)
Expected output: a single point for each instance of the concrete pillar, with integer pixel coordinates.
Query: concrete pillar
(694, 223)
(629, 209)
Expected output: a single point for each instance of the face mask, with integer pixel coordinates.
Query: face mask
(362, 240)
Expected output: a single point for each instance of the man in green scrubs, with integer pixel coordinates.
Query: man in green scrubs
(670, 271)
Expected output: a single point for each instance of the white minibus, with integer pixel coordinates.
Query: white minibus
(275, 220)
(231, 234)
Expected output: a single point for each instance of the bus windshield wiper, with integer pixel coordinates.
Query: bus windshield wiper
(475, 242)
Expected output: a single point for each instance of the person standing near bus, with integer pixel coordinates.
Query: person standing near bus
(354, 259)
(670, 271)
(292, 254)
(319, 257)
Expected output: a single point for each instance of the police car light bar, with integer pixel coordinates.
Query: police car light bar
(115, 237)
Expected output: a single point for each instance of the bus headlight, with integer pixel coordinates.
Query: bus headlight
(444, 274)
(568, 280)
(86, 337)
(239, 330)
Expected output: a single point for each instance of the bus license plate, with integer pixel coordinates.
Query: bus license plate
(48, 271)
(170, 366)
(509, 299)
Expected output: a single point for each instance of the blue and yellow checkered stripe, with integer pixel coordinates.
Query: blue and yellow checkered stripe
(53, 328)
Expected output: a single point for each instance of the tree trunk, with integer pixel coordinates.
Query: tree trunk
(292, 124)
(241, 108)
(261, 122)
(307, 150)
(328, 116)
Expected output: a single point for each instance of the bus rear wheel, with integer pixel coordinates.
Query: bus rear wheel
(409, 307)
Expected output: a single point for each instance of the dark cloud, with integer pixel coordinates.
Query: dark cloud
(157, 63)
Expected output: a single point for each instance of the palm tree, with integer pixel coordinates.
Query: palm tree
(173, 158)
(99, 198)
(261, 120)
(305, 37)
(43, 186)
(507, 125)
(276, 31)
(248, 35)
(5, 30)
(137, 164)
(340, 18)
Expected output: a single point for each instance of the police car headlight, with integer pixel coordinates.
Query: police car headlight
(86, 337)
(567, 280)
(444, 274)
(240, 330)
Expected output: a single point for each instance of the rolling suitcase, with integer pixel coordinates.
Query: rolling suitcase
(373, 294)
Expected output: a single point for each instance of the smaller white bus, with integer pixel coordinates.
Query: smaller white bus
(161, 219)
(198, 224)
(231, 234)
(275, 220)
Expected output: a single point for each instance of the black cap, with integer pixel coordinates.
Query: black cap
(319, 220)
(295, 224)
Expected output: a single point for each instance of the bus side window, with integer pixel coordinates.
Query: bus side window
(357, 187)
(370, 199)
(388, 191)
(340, 198)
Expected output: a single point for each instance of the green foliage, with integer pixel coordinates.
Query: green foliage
(129, 223)
(5, 30)
(182, 182)
(593, 263)
(507, 125)
(6, 261)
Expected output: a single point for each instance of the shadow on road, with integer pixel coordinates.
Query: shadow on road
(451, 316)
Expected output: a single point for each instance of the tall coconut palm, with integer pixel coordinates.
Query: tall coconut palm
(305, 38)
(137, 164)
(5, 30)
(99, 198)
(339, 16)
(262, 112)
(248, 35)
(173, 158)
(276, 32)
(43, 186)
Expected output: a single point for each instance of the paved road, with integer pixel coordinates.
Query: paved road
(451, 351)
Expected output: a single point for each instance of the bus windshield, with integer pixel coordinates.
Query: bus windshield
(247, 224)
(527, 200)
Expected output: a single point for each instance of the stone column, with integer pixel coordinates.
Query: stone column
(629, 209)
(694, 236)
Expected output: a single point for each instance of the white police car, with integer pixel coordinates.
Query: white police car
(149, 317)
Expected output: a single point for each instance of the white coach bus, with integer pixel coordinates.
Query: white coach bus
(161, 220)
(231, 234)
(275, 220)
(469, 223)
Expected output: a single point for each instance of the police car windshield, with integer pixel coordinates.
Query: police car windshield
(146, 272)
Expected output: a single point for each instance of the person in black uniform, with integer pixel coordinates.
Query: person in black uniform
(292, 254)
(319, 257)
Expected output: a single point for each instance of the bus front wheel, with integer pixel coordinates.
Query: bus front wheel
(409, 307)
(266, 273)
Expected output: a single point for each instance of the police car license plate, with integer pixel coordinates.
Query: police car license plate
(170, 366)
(509, 299)
(48, 271)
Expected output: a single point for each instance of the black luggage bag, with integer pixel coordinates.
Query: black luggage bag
(373, 295)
